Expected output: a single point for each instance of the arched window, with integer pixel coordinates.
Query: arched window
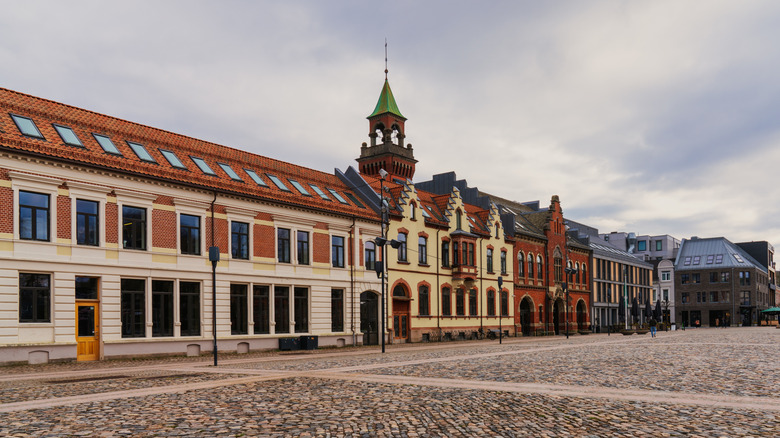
(584, 275)
(399, 291)
(489, 260)
(412, 211)
(423, 304)
(370, 255)
(460, 303)
(446, 302)
(557, 264)
(503, 262)
(520, 264)
(458, 220)
(473, 302)
(491, 302)
(422, 249)
(504, 303)
(530, 266)
(539, 267)
(402, 248)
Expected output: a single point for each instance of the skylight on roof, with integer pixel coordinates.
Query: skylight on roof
(68, 136)
(278, 182)
(355, 200)
(719, 259)
(173, 159)
(337, 196)
(320, 192)
(710, 259)
(739, 259)
(229, 170)
(141, 151)
(255, 177)
(696, 260)
(425, 213)
(106, 144)
(298, 186)
(26, 126)
(204, 167)
(687, 260)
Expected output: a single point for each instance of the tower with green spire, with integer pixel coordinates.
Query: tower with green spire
(387, 149)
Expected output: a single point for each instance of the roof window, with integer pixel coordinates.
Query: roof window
(173, 159)
(255, 177)
(337, 196)
(355, 200)
(141, 151)
(687, 260)
(106, 144)
(320, 192)
(203, 166)
(68, 136)
(26, 126)
(278, 182)
(696, 260)
(739, 259)
(229, 170)
(719, 259)
(710, 259)
(298, 186)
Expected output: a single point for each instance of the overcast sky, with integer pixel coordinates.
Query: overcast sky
(657, 117)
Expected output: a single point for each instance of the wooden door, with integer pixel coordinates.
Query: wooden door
(87, 331)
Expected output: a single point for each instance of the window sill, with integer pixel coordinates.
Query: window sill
(424, 265)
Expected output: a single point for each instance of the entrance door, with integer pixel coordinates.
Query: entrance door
(400, 320)
(87, 331)
(556, 317)
(525, 317)
(369, 318)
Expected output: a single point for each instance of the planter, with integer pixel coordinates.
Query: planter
(627, 332)
(642, 331)
(584, 332)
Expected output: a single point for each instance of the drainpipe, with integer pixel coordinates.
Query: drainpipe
(479, 301)
(355, 258)
(438, 282)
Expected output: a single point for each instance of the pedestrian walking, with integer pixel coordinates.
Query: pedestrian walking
(652, 323)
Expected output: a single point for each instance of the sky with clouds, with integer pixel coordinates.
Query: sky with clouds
(657, 117)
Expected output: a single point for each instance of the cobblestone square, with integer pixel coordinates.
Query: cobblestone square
(703, 382)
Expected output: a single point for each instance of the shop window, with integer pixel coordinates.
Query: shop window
(34, 298)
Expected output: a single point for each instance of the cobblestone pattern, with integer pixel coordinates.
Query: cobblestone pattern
(24, 390)
(316, 407)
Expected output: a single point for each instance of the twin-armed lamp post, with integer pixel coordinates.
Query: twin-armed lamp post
(381, 266)
(569, 272)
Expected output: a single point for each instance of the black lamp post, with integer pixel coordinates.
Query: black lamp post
(569, 271)
(381, 266)
(500, 310)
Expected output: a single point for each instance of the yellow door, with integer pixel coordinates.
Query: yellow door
(87, 331)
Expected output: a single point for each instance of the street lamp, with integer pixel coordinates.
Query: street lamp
(569, 271)
(500, 310)
(381, 267)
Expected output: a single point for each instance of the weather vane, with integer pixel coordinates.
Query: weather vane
(385, 58)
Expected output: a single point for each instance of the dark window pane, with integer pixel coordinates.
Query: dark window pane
(34, 298)
(282, 309)
(162, 308)
(86, 316)
(86, 288)
(238, 309)
(262, 309)
(337, 310)
(301, 304)
(132, 308)
(189, 308)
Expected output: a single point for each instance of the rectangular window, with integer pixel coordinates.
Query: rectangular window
(446, 304)
(26, 126)
(261, 309)
(319, 191)
(641, 245)
(282, 309)
(489, 264)
(710, 259)
(696, 278)
(303, 247)
(299, 187)
(745, 298)
(685, 297)
(230, 172)
(107, 145)
(133, 314)
(337, 310)
(504, 303)
(357, 202)
(402, 248)
(301, 309)
(713, 277)
(696, 260)
(684, 279)
(255, 177)
(665, 294)
(87, 222)
(162, 308)
(336, 195)
(278, 182)
(687, 260)
(173, 159)
(68, 136)
(283, 245)
(189, 308)
(455, 254)
(370, 255)
(491, 303)
(190, 234)
(725, 277)
(659, 245)
(503, 262)
(719, 259)
(238, 309)
(423, 307)
(473, 302)
(133, 228)
(337, 251)
(141, 151)
(33, 216)
(460, 303)
(422, 250)
(239, 240)
(445, 254)
(203, 166)
(86, 288)
(713, 297)
(665, 275)
(34, 298)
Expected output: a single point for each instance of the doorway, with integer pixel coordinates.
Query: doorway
(87, 319)
(369, 318)
(556, 316)
(525, 316)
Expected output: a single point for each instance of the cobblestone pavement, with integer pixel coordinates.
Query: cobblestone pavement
(703, 382)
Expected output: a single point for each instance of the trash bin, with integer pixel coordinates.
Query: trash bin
(309, 342)
(286, 344)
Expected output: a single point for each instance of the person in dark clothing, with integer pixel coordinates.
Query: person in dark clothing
(652, 323)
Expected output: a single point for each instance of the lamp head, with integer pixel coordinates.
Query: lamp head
(383, 173)
(395, 244)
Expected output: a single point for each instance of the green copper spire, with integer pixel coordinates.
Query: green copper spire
(386, 103)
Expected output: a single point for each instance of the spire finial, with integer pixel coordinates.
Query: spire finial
(385, 58)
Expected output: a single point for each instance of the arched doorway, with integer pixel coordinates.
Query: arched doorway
(582, 312)
(526, 310)
(557, 318)
(401, 319)
(369, 317)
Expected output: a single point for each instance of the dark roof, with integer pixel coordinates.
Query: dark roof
(725, 254)
(84, 123)
(605, 249)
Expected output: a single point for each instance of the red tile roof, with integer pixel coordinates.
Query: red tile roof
(84, 123)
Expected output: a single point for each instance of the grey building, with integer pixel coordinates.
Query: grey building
(719, 283)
